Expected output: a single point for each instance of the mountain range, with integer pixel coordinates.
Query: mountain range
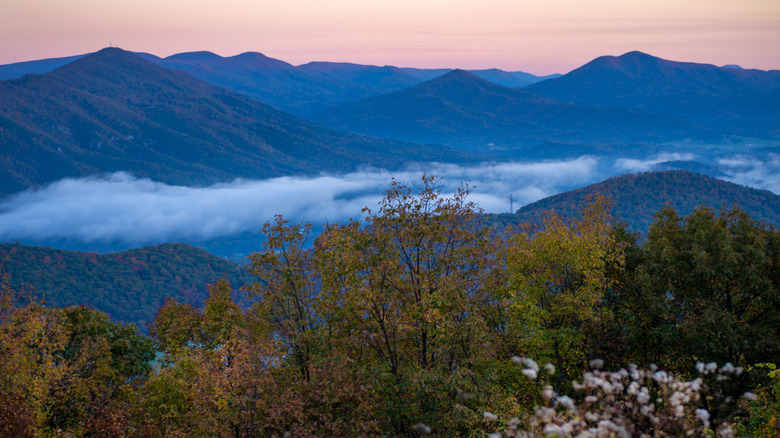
(736, 101)
(299, 90)
(463, 110)
(113, 110)
(632, 99)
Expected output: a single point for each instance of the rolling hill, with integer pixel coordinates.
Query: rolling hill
(113, 110)
(743, 102)
(463, 110)
(129, 286)
(638, 197)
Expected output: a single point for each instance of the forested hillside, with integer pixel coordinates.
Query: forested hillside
(115, 111)
(638, 197)
(128, 286)
(418, 321)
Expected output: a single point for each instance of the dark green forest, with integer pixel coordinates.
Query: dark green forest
(420, 320)
(638, 196)
(129, 286)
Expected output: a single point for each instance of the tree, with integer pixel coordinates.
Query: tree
(69, 370)
(211, 380)
(558, 278)
(714, 280)
(409, 293)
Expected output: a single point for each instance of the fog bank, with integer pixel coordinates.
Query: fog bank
(137, 211)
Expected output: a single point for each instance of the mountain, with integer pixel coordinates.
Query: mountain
(310, 88)
(638, 197)
(463, 110)
(743, 102)
(269, 80)
(129, 286)
(113, 110)
(387, 78)
(300, 90)
(19, 69)
(512, 79)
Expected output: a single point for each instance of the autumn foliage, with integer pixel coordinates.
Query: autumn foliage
(406, 322)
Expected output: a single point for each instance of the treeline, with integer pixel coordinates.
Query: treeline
(420, 321)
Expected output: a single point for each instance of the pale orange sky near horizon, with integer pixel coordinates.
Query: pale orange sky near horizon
(536, 36)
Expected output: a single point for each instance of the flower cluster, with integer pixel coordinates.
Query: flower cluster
(630, 402)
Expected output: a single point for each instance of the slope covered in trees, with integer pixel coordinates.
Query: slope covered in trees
(113, 110)
(638, 197)
(128, 286)
(300, 90)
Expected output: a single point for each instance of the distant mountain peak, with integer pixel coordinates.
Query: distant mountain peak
(193, 56)
(257, 59)
(109, 56)
(459, 75)
(636, 54)
(634, 61)
(457, 82)
(252, 55)
(733, 67)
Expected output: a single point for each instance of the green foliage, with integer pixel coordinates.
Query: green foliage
(763, 419)
(129, 286)
(67, 371)
(558, 278)
(409, 290)
(212, 377)
(402, 324)
(708, 288)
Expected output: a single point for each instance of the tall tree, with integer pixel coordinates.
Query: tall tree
(558, 278)
(408, 289)
(715, 281)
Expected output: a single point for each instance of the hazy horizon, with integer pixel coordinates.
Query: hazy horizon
(539, 37)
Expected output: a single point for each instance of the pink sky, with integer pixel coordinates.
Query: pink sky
(537, 36)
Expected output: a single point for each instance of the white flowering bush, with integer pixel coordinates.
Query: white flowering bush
(630, 402)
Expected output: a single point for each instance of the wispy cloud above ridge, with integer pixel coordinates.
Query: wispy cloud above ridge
(122, 208)
(634, 165)
(752, 172)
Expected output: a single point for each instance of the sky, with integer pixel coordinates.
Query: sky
(535, 36)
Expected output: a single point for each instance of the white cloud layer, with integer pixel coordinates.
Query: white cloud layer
(752, 172)
(123, 208)
(625, 165)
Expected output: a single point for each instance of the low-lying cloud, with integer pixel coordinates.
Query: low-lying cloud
(753, 172)
(120, 208)
(625, 165)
